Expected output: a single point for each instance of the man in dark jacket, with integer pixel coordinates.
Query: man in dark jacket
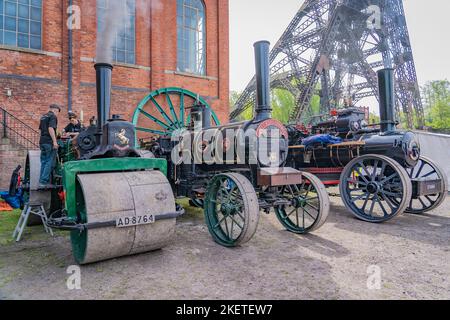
(48, 144)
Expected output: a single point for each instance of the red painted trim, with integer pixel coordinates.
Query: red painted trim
(322, 170)
(272, 123)
(331, 182)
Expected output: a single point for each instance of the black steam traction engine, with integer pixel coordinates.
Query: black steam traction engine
(234, 191)
(379, 170)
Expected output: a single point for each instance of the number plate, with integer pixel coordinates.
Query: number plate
(135, 221)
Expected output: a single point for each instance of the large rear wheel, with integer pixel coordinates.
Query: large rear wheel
(231, 209)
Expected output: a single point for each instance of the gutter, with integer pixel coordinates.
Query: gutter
(70, 71)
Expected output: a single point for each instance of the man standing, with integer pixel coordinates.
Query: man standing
(48, 144)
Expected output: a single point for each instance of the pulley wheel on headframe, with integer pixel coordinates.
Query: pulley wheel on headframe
(165, 110)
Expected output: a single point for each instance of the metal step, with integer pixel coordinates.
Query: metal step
(33, 208)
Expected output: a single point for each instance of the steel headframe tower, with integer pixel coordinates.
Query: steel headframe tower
(333, 48)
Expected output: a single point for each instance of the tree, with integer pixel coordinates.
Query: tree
(247, 114)
(283, 103)
(374, 119)
(234, 97)
(436, 95)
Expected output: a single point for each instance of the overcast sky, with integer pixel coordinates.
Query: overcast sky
(253, 20)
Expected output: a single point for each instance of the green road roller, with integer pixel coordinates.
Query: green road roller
(113, 198)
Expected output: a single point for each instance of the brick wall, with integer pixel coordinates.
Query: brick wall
(10, 157)
(39, 78)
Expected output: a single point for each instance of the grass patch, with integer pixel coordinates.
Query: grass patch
(8, 222)
(191, 212)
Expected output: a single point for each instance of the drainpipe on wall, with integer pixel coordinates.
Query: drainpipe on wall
(70, 72)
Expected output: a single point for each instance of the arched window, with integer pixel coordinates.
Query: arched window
(191, 23)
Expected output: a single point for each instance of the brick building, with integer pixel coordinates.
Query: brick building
(165, 43)
(155, 50)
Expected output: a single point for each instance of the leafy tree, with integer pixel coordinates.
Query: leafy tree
(247, 114)
(234, 97)
(283, 103)
(436, 95)
(373, 118)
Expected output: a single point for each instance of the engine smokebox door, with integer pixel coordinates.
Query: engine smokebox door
(273, 177)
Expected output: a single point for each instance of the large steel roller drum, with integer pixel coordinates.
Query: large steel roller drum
(33, 195)
(105, 197)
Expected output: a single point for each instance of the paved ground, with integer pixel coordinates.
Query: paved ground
(412, 254)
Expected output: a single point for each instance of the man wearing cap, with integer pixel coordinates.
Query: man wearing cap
(48, 144)
(73, 129)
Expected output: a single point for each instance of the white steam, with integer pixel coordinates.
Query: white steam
(116, 15)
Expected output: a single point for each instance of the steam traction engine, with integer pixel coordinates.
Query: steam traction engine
(114, 199)
(380, 171)
(234, 191)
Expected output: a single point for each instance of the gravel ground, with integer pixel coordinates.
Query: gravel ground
(412, 254)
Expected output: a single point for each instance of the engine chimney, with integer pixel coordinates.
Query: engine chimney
(103, 76)
(386, 86)
(263, 109)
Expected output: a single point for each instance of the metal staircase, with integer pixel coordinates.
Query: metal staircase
(17, 132)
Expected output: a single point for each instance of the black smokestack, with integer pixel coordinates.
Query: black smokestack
(103, 75)
(386, 87)
(263, 104)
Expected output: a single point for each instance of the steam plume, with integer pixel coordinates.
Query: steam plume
(116, 15)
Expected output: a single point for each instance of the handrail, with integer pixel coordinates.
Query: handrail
(18, 120)
(18, 131)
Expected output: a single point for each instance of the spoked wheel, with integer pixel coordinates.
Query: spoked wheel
(375, 188)
(427, 168)
(309, 206)
(198, 203)
(166, 110)
(231, 209)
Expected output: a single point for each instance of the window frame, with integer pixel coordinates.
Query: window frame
(183, 63)
(29, 20)
(117, 36)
